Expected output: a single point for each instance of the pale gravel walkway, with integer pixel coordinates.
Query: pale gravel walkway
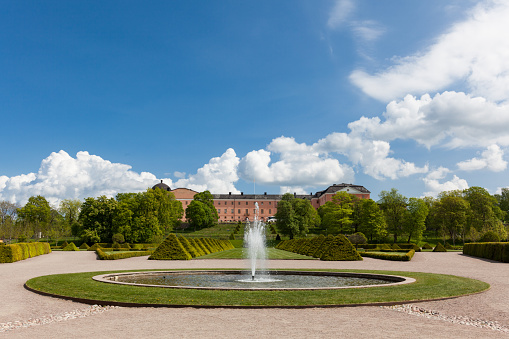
(31, 315)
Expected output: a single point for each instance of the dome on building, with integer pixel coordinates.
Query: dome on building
(162, 186)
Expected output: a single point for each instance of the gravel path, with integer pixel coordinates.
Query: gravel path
(24, 314)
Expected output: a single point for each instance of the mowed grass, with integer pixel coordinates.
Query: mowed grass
(427, 286)
(241, 253)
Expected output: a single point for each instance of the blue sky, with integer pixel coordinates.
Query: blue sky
(101, 97)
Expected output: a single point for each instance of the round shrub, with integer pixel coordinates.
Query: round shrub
(118, 237)
(490, 236)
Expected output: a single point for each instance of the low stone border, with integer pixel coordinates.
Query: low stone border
(396, 280)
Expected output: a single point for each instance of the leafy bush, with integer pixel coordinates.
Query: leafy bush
(395, 247)
(118, 238)
(490, 236)
(358, 239)
(187, 245)
(64, 244)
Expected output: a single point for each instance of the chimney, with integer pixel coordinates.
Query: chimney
(241, 193)
(265, 193)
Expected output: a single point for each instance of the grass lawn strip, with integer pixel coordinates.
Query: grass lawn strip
(428, 286)
(241, 253)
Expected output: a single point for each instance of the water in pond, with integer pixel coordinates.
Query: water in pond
(244, 281)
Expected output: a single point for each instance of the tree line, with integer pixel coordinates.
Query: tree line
(147, 216)
(468, 214)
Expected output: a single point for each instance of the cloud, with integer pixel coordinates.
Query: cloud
(491, 159)
(473, 50)
(435, 187)
(296, 166)
(371, 155)
(367, 30)
(340, 13)
(218, 175)
(61, 176)
(450, 119)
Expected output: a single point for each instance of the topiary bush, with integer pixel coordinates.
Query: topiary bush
(70, 247)
(20, 251)
(64, 244)
(171, 249)
(427, 246)
(439, 248)
(187, 245)
(340, 249)
(84, 246)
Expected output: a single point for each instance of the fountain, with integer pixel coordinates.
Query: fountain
(254, 240)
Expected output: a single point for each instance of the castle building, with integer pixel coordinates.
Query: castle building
(234, 207)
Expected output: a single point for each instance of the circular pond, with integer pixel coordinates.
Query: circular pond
(241, 280)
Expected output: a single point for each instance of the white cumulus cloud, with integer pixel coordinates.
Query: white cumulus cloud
(61, 176)
(450, 119)
(475, 50)
(491, 159)
(435, 187)
(218, 175)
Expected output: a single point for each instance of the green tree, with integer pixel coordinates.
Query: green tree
(452, 212)
(69, 209)
(294, 216)
(503, 202)
(482, 215)
(35, 214)
(393, 205)
(415, 218)
(203, 213)
(98, 214)
(8, 214)
(370, 219)
(336, 215)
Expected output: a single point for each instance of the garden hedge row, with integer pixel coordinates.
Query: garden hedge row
(22, 251)
(121, 255)
(180, 248)
(387, 256)
(498, 251)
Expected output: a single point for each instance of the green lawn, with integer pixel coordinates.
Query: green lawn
(241, 253)
(428, 286)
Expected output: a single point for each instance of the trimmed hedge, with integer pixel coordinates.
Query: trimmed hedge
(498, 251)
(20, 251)
(427, 246)
(123, 255)
(387, 256)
